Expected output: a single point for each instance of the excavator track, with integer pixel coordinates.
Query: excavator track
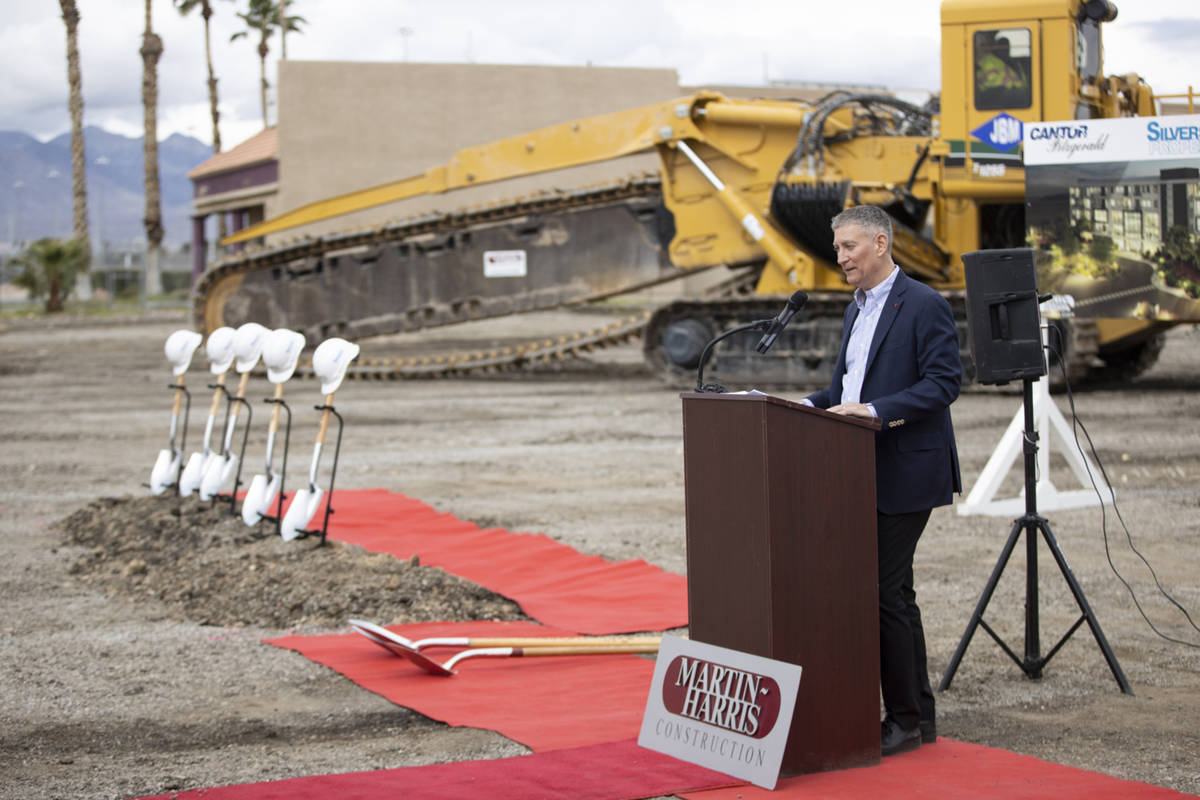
(414, 274)
(497, 359)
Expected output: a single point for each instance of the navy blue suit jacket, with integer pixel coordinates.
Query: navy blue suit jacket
(913, 375)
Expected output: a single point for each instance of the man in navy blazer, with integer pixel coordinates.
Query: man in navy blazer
(899, 362)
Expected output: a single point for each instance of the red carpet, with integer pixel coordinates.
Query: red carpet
(543, 703)
(952, 770)
(611, 771)
(552, 582)
(563, 702)
(581, 714)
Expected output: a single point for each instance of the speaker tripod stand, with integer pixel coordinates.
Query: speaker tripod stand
(1031, 524)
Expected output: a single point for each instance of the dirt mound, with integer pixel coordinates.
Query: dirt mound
(209, 567)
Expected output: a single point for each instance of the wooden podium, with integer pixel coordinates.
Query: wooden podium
(781, 561)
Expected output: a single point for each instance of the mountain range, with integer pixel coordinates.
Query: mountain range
(35, 187)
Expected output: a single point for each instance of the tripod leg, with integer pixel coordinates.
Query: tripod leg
(1077, 591)
(981, 606)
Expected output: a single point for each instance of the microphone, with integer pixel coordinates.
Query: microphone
(794, 304)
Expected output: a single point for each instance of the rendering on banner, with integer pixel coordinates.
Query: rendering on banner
(1114, 215)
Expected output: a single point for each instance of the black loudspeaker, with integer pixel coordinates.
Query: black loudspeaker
(1002, 314)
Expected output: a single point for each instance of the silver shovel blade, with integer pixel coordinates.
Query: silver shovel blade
(304, 505)
(259, 498)
(252, 503)
(220, 470)
(166, 467)
(193, 473)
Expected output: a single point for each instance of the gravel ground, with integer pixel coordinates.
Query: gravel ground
(131, 660)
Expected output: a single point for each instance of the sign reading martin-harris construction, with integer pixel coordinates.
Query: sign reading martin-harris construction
(722, 709)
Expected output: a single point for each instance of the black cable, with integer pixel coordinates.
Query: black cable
(1076, 426)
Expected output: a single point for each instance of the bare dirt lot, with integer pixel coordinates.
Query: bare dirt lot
(130, 655)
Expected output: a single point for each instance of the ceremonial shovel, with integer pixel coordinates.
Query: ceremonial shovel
(280, 353)
(220, 353)
(501, 647)
(179, 348)
(220, 466)
(247, 346)
(330, 360)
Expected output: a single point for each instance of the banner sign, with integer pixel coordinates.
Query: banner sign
(1113, 213)
(722, 709)
(1124, 139)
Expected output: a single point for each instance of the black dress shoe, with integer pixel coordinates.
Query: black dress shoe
(928, 731)
(895, 739)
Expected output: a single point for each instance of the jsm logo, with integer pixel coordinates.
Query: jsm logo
(1006, 130)
(734, 699)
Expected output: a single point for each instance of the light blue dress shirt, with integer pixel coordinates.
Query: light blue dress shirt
(870, 307)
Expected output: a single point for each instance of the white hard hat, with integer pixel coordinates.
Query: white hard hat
(179, 348)
(330, 360)
(281, 351)
(248, 345)
(219, 348)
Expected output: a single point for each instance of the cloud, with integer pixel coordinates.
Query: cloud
(706, 41)
(1170, 32)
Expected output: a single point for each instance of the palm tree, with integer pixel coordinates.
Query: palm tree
(186, 7)
(264, 16)
(49, 268)
(151, 51)
(279, 18)
(70, 15)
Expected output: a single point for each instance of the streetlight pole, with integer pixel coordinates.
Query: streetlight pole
(98, 191)
(52, 176)
(404, 32)
(16, 234)
(102, 161)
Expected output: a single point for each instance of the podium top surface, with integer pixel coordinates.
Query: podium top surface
(759, 397)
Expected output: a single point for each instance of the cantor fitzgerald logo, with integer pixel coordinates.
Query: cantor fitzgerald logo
(725, 697)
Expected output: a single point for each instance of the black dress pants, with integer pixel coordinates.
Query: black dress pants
(904, 675)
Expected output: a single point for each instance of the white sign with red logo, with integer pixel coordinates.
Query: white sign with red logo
(722, 709)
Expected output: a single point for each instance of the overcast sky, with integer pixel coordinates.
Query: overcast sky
(883, 42)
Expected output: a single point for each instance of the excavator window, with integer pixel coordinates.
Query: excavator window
(1003, 60)
(1087, 37)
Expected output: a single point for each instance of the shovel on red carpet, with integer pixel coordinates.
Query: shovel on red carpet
(505, 647)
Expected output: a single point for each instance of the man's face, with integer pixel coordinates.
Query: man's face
(863, 258)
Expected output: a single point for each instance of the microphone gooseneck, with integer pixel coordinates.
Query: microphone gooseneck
(793, 305)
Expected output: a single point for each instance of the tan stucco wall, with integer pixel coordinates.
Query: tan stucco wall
(345, 126)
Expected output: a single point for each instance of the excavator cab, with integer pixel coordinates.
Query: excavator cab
(1005, 65)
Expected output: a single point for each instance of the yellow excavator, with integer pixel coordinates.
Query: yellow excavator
(747, 186)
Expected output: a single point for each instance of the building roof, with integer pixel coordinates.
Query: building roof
(263, 146)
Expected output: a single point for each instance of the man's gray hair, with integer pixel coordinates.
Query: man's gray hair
(872, 219)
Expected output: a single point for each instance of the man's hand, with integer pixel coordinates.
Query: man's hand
(852, 410)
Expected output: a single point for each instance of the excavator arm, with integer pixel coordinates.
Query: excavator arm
(569, 144)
